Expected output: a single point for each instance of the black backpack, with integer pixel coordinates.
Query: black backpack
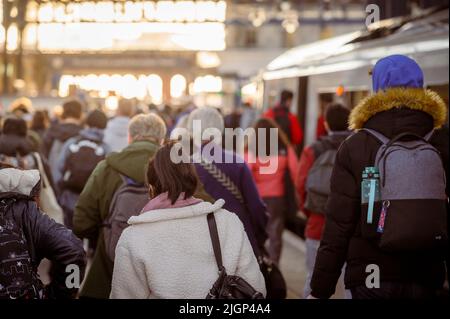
(84, 155)
(227, 287)
(18, 277)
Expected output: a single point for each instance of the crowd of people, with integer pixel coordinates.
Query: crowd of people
(83, 187)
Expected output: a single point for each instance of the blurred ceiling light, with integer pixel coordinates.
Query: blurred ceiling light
(45, 13)
(257, 17)
(290, 23)
(130, 11)
(64, 83)
(111, 103)
(155, 88)
(207, 60)
(249, 89)
(207, 84)
(285, 6)
(19, 84)
(13, 12)
(177, 86)
(13, 35)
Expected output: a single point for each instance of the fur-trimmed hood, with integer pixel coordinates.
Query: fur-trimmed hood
(416, 99)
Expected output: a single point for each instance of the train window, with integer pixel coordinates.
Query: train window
(355, 97)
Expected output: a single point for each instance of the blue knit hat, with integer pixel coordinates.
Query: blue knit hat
(396, 71)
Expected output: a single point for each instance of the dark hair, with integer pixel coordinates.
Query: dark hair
(285, 96)
(72, 109)
(5, 165)
(336, 115)
(15, 126)
(267, 124)
(163, 175)
(40, 120)
(97, 118)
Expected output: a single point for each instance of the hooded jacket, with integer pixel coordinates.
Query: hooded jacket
(45, 237)
(116, 133)
(92, 208)
(157, 256)
(61, 132)
(391, 112)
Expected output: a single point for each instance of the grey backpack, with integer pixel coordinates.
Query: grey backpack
(318, 182)
(412, 211)
(128, 200)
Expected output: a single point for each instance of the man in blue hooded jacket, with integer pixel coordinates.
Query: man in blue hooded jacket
(398, 104)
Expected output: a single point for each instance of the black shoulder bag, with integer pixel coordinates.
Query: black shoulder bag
(227, 287)
(275, 284)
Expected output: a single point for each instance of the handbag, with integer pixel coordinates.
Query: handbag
(47, 199)
(275, 284)
(226, 286)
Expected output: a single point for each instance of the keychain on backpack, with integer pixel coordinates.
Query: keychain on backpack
(370, 190)
(383, 213)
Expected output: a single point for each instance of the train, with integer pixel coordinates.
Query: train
(338, 69)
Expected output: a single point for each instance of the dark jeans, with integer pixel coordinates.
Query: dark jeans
(275, 225)
(394, 290)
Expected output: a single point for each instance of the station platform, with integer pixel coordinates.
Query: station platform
(292, 265)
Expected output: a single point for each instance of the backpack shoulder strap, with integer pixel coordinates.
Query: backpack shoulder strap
(429, 135)
(214, 234)
(380, 137)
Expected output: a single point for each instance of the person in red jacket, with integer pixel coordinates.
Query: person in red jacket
(285, 119)
(335, 122)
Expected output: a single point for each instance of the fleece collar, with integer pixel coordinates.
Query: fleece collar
(416, 99)
(157, 215)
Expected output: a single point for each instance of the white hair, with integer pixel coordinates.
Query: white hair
(147, 127)
(209, 117)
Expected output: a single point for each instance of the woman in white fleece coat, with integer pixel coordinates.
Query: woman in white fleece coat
(166, 252)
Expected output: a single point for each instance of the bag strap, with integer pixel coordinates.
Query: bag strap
(380, 137)
(214, 234)
(45, 181)
(429, 135)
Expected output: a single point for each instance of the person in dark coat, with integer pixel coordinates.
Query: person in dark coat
(399, 104)
(19, 205)
(229, 178)
(59, 133)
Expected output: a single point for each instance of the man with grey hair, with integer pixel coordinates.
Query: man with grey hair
(146, 132)
(225, 175)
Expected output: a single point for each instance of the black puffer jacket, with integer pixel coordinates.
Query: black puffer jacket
(48, 239)
(390, 113)
(45, 237)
